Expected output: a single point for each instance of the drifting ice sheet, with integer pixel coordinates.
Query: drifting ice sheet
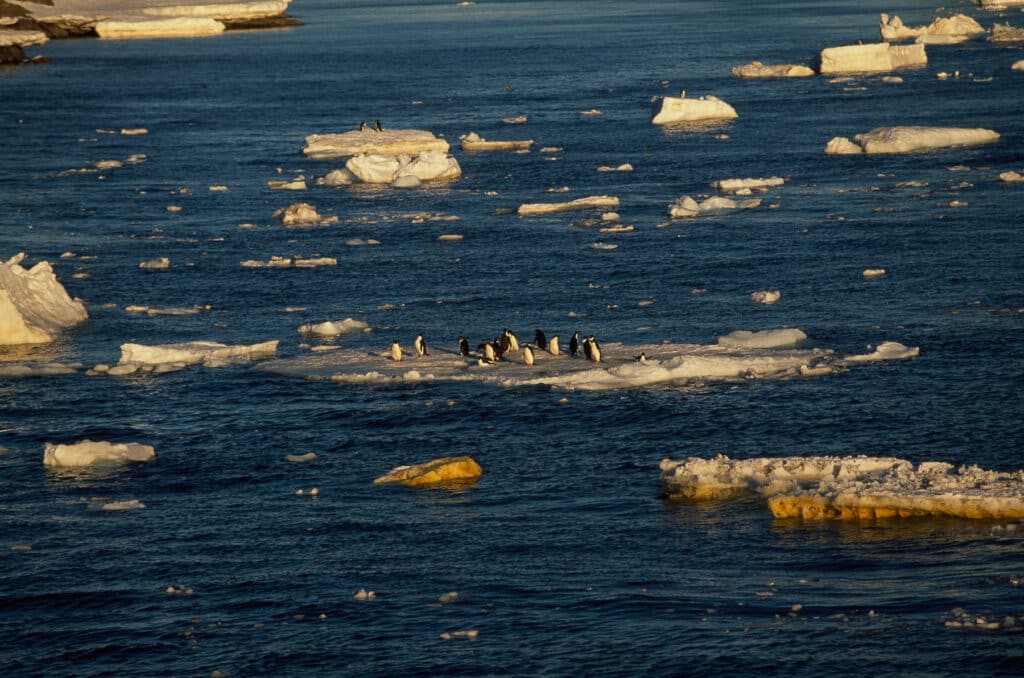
(370, 142)
(850, 487)
(209, 353)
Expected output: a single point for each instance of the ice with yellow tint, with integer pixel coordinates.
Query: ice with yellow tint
(435, 471)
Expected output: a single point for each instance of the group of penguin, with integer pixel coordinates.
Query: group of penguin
(376, 126)
(490, 352)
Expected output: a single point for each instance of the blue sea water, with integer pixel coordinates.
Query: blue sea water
(565, 558)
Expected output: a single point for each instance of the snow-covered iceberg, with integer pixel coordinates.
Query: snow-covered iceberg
(669, 110)
(911, 139)
(34, 306)
(371, 142)
(832, 487)
(89, 452)
(871, 58)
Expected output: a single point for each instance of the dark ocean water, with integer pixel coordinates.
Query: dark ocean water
(564, 556)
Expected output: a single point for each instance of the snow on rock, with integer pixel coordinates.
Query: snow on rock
(957, 25)
(302, 214)
(172, 27)
(596, 201)
(756, 69)
(670, 110)
(209, 353)
(765, 296)
(887, 350)
(1006, 33)
(89, 452)
(763, 339)
(688, 207)
(371, 142)
(334, 328)
(475, 142)
(871, 58)
(34, 306)
(386, 169)
(850, 488)
(432, 472)
(910, 139)
(732, 185)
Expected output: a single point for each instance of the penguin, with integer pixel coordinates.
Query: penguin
(504, 344)
(540, 340)
(377, 127)
(513, 340)
(500, 347)
(489, 354)
(553, 345)
(574, 343)
(362, 126)
(586, 347)
(396, 352)
(463, 347)
(421, 346)
(642, 358)
(595, 349)
(528, 355)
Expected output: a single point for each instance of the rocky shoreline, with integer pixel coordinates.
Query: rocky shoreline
(26, 23)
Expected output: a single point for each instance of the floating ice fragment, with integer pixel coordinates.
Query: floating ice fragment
(34, 306)
(887, 350)
(597, 201)
(756, 69)
(89, 452)
(392, 142)
(450, 597)
(765, 296)
(468, 634)
(128, 505)
(335, 328)
(363, 594)
(209, 353)
(296, 184)
(20, 548)
(876, 57)
(474, 142)
(300, 458)
(669, 110)
(433, 472)
(302, 214)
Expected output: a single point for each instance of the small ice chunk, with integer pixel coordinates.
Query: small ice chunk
(874, 272)
(160, 264)
(300, 458)
(89, 452)
(468, 634)
(128, 505)
(765, 296)
(363, 594)
(334, 328)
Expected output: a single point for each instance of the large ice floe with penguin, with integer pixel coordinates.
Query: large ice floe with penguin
(849, 488)
(738, 356)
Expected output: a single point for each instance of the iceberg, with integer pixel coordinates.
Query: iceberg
(386, 169)
(34, 306)
(849, 488)
(756, 69)
(209, 353)
(1006, 33)
(89, 452)
(669, 110)
(446, 469)
(910, 139)
(474, 142)
(871, 58)
(958, 25)
(595, 201)
(371, 142)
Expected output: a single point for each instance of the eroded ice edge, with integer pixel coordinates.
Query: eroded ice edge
(850, 488)
(737, 356)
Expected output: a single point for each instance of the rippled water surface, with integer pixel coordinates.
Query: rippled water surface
(565, 558)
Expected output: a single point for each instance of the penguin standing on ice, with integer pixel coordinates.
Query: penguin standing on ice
(528, 355)
(362, 126)
(489, 354)
(376, 126)
(513, 340)
(574, 343)
(463, 347)
(396, 352)
(595, 349)
(642, 358)
(421, 346)
(553, 344)
(586, 347)
(540, 340)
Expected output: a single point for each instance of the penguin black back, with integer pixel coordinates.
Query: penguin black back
(463, 346)
(540, 340)
(574, 343)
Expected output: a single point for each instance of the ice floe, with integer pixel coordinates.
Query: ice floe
(911, 139)
(1011, 177)
(387, 169)
(733, 185)
(474, 142)
(89, 452)
(302, 214)
(756, 69)
(296, 184)
(596, 201)
(871, 58)
(170, 27)
(765, 296)
(34, 306)
(1006, 33)
(446, 469)
(135, 357)
(392, 142)
(161, 264)
(833, 487)
(958, 25)
(1018, 65)
(335, 328)
(686, 206)
(127, 505)
(736, 357)
(669, 110)
(290, 262)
